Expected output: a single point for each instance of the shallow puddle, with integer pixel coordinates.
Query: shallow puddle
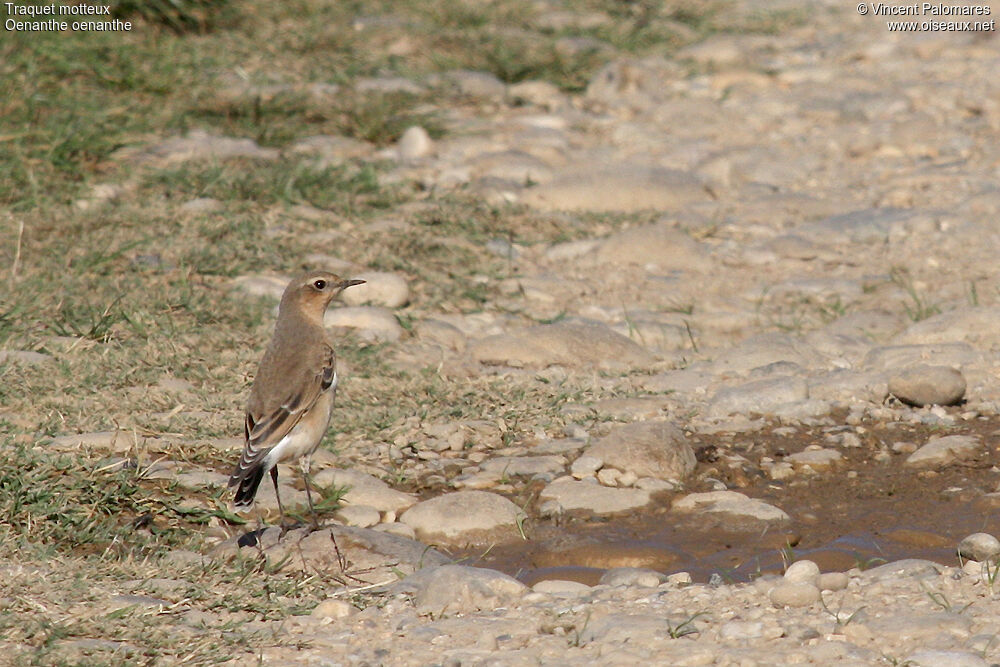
(867, 510)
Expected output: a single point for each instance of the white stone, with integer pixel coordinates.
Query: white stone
(381, 288)
(731, 504)
(979, 547)
(458, 588)
(573, 495)
(372, 322)
(802, 571)
(943, 450)
(794, 594)
(364, 489)
(464, 517)
(561, 587)
(415, 143)
(362, 516)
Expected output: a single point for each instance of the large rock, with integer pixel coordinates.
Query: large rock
(846, 385)
(461, 589)
(372, 323)
(892, 357)
(363, 489)
(568, 495)
(648, 449)
(617, 188)
(979, 326)
(735, 511)
(942, 451)
(928, 385)
(758, 397)
(766, 349)
(261, 285)
(659, 245)
(867, 226)
(979, 547)
(380, 289)
(562, 344)
(464, 517)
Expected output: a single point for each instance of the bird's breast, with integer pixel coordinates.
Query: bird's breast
(305, 437)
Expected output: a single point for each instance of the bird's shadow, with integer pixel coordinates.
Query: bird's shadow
(256, 538)
(251, 539)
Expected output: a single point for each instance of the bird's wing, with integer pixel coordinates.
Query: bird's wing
(268, 421)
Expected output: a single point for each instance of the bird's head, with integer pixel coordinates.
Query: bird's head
(312, 292)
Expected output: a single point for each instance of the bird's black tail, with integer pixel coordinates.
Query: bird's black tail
(246, 486)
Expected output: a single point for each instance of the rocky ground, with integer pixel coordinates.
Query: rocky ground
(770, 235)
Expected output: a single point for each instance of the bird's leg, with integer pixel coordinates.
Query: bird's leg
(304, 464)
(281, 510)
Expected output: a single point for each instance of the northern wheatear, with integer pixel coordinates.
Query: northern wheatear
(292, 396)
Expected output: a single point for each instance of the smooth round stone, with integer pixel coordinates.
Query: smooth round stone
(380, 289)
(361, 516)
(464, 517)
(794, 594)
(802, 571)
(414, 144)
(979, 547)
(373, 323)
(832, 581)
(928, 385)
(258, 285)
(560, 587)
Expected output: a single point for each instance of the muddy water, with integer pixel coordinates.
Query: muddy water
(867, 510)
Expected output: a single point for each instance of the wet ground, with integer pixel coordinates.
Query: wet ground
(866, 510)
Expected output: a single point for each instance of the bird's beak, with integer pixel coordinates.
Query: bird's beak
(351, 283)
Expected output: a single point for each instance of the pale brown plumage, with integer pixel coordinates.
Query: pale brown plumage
(291, 400)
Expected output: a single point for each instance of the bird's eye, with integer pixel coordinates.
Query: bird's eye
(320, 285)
